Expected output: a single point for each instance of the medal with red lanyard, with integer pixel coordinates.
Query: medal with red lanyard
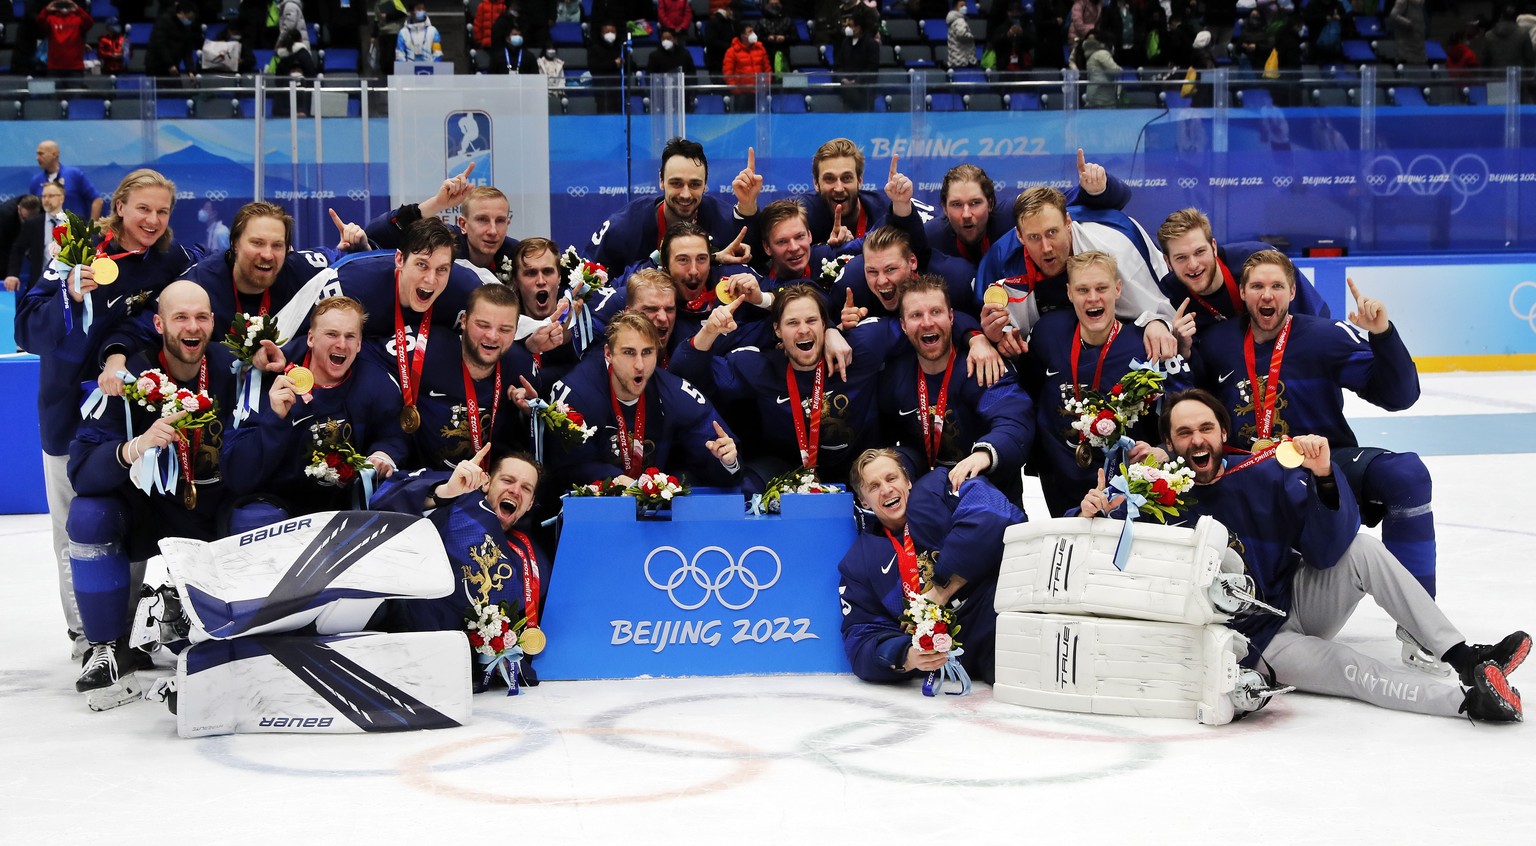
(631, 448)
(1265, 394)
(906, 555)
(104, 267)
(532, 639)
(408, 366)
(472, 406)
(807, 437)
(932, 419)
(189, 442)
(1084, 452)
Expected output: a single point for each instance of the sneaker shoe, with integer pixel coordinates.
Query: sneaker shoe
(1507, 654)
(1491, 699)
(1419, 658)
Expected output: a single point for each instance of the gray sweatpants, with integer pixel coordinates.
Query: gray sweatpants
(1304, 654)
(60, 494)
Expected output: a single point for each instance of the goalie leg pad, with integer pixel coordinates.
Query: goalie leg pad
(324, 685)
(331, 570)
(1123, 667)
(97, 527)
(1066, 566)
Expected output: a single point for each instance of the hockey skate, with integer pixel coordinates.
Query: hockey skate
(109, 677)
(1422, 659)
(1253, 691)
(160, 620)
(1491, 698)
(1234, 593)
(1508, 654)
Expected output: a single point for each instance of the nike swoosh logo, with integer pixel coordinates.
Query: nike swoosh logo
(436, 394)
(1226, 376)
(908, 413)
(302, 419)
(783, 400)
(1050, 373)
(1356, 458)
(114, 301)
(887, 567)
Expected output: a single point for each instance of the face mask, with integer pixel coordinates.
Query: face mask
(203, 215)
(420, 17)
(515, 40)
(848, 31)
(667, 44)
(610, 37)
(752, 38)
(185, 21)
(549, 54)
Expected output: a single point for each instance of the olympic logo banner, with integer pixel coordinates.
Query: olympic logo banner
(712, 592)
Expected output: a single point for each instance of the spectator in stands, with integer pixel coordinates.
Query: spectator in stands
(1505, 45)
(1085, 19)
(1409, 32)
(744, 61)
(1201, 59)
(389, 18)
(1050, 32)
(1253, 45)
(293, 55)
(1219, 20)
(719, 32)
(1124, 28)
(112, 48)
(1012, 47)
(510, 52)
(960, 46)
(670, 56)
(65, 25)
(778, 33)
(568, 11)
(173, 41)
(1325, 27)
(1102, 72)
(487, 14)
(856, 54)
(553, 67)
(1460, 59)
(605, 60)
(419, 40)
(676, 15)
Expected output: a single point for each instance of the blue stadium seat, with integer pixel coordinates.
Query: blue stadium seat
(935, 32)
(83, 108)
(786, 104)
(1359, 51)
(566, 34)
(173, 107)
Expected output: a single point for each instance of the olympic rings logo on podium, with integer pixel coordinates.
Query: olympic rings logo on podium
(734, 571)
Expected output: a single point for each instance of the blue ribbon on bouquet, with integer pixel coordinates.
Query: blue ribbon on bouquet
(247, 392)
(1133, 504)
(950, 672)
(579, 318)
(504, 665)
(71, 276)
(536, 427)
(156, 471)
(96, 403)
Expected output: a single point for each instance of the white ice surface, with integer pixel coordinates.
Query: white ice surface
(821, 759)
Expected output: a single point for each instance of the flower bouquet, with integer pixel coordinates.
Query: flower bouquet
(1156, 488)
(333, 463)
(246, 334)
(832, 270)
(154, 391)
(583, 279)
(933, 629)
(566, 423)
(801, 480)
(601, 487)
(655, 489)
(1102, 419)
(498, 643)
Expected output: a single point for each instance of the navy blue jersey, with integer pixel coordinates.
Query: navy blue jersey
(217, 276)
(941, 236)
(959, 276)
(1227, 304)
(270, 455)
(873, 208)
(70, 355)
(1277, 514)
(999, 416)
(679, 422)
(634, 232)
(1048, 373)
(966, 532)
(94, 469)
(443, 439)
(387, 230)
(758, 380)
(1322, 358)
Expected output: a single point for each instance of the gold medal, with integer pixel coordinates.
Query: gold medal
(723, 291)
(1262, 444)
(1084, 454)
(995, 295)
(531, 640)
(189, 496)
(104, 270)
(302, 377)
(1288, 455)
(410, 419)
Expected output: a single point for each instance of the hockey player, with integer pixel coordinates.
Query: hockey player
(1278, 514)
(543, 331)
(484, 215)
(112, 520)
(639, 228)
(887, 260)
(972, 222)
(789, 252)
(840, 211)
(940, 417)
(931, 539)
(51, 323)
(1278, 372)
(1201, 271)
(644, 417)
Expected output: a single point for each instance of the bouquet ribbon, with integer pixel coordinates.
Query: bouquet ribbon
(579, 320)
(72, 273)
(156, 471)
(504, 665)
(755, 506)
(96, 403)
(536, 426)
(247, 390)
(950, 672)
(1133, 504)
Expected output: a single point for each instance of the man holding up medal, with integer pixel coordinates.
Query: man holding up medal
(1278, 372)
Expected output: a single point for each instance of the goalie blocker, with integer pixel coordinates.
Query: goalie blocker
(1173, 574)
(1125, 667)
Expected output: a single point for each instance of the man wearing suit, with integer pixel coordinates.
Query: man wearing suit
(13, 213)
(28, 254)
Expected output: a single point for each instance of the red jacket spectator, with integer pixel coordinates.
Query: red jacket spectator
(110, 49)
(676, 15)
(65, 26)
(485, 18)
(744, 60)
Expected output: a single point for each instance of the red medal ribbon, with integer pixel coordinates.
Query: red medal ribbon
(631, 449)
(190, 441)
(933, 429)
(1098, 370)
(472, 405)
(911, 580)
(973, 255)
(863, 222)
(266, 300)
(810, 442)
(101, 251)
(1255, 458)
(1264, 403)
(1231, 285)
(524, 549)
(410, 376)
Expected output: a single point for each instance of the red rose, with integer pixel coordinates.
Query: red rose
(671, 480)
(476, 640)
(345, 472)
(332, 460)
(575, 417)
(204, 403)
(505, 626)
(925, 642)
(1168, 497)
(498, 643)
(940, 627)
(651, 471)
(58, 232)
(1106, 414)
(1117, 390)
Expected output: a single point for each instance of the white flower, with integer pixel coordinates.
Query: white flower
(666, 493)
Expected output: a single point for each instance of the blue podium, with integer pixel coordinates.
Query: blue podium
(709, 592)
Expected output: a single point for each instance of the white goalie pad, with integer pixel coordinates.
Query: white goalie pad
(1124, 667)
(331, 570)
(324, 685)
(1173, 574)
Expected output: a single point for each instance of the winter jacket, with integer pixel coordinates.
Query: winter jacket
(1103, 75)
(962, 44)
(742, 64)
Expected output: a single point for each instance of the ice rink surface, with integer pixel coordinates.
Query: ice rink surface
(827, 758)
